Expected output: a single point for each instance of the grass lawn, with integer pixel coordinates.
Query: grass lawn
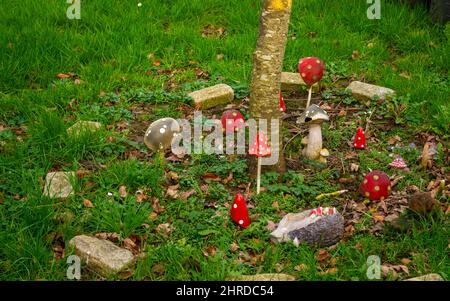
(130, 65)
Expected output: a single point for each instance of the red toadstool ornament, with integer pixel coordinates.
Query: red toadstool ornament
(311, 70)
(282, 104)
(259, 148)
(399, 163)
(239, 212)
(375, 186)
(360, 139)
(232, 120)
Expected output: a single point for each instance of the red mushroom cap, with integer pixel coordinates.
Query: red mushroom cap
(232, 120)
(375, 186)
(360, 139)
(311, 69)
(282, 104)
(259, 147)
(398, 163)
(239, 212)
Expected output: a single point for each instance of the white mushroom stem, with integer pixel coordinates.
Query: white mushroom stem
(258, 177)
(309, 97)
(314, 146)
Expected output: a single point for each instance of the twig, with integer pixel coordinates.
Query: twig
(320, 196)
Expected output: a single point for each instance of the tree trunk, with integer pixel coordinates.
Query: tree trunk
(267, 68)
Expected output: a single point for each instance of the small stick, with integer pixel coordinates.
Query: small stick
(258, 178)
(309, 97)
(320, 196)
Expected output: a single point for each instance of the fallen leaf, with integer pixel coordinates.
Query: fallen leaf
(88, 204)
(378, 217)
(271, 226)
(394, 139)
(406, 261)
(156, 207)
(210, 251)
(323, 255)
(301, 267)
(186, 194)
(354, 167)
(358, 246)
(123, 191)
(355, 54)
(64, 75)
(152, 216)
(129, 244)
(211, 177)
(234, 246)
(164, 228)
(276, 205)
(172, 191)
(330, 271)
(77, 81)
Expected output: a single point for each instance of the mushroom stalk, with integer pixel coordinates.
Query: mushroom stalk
(314, 146)
(309, 97)
(258, 177)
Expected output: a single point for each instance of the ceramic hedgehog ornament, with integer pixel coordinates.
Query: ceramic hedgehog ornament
(321, 226)
(314, 116)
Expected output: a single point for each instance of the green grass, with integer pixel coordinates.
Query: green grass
(112, 50)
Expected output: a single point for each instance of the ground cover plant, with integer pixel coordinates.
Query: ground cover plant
(126, 65)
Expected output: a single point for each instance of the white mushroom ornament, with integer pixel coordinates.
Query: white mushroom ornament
(314, 116)
(160, 134)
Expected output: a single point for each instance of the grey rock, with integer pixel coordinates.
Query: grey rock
(323, 231)
(82, 126)
(365, 91)
(101, 255)
(262, 277)
(428, 277)
(212, 96)
(58, 184)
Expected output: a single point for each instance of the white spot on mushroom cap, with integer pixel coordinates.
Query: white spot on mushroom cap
(235, 206)
(162, 130)
(241, 222)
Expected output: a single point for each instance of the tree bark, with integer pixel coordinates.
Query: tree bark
(267, 68)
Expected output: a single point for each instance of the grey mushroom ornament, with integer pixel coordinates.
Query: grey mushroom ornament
(314, 116)
(160, 134)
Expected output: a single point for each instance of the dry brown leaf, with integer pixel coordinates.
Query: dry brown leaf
(358, 246)
(172, 191)
(394, 139)
(123, 191)
(129, 244)
(276, 205)
(164, 228)
(64, 75)
(152, 216)
(141, 197)
(186, 194)
(234, 247)
(406, 261)
(271, 226)
(156, 207)
(323, 255)
(210, 251)
(88, 204)
(211, 177)
(301, 267)
(330, 271)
